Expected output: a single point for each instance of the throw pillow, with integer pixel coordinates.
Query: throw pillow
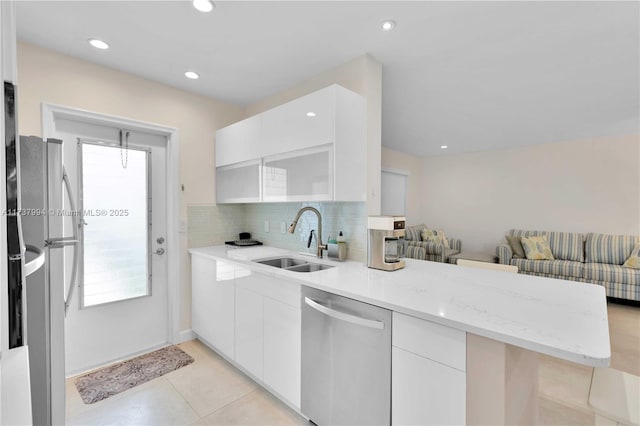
(537, 248)
(634, 259)
(516, 246)
(435, 236)
(412, 233)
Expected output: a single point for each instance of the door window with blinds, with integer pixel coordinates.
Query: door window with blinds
(115, 206)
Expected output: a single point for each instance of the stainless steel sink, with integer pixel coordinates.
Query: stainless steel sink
(282, 262)
(309, 267)
(293, 264)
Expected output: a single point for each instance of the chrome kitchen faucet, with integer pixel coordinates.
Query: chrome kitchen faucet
(292, 228)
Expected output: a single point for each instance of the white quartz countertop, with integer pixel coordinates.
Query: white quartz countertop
(564, 319)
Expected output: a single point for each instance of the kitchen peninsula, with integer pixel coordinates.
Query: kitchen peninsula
(464, 340)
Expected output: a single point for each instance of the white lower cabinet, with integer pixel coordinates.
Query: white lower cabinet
(425, 392)
(428, 383)
(267, 329)
(282, 354)
(249, 334)
(255, 320)
(212, 299)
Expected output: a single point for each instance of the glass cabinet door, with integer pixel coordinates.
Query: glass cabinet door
(239, 183)
(305, 175)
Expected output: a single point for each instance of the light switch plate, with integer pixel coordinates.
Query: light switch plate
(266, 226)
(283, 227)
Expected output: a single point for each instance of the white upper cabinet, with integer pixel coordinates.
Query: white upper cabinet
(239, 182)
(299, 175)
(311, 149)
(302, 123)
(239, 142)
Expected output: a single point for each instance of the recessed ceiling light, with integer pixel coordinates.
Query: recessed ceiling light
(387, 25)
(444, 146)
(203, 5)
(311, 114)
(98, 44)
(192, 75)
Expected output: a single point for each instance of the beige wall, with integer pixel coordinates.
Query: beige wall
(362, 75)
(47, 76)
(392, 159)
(581, 186)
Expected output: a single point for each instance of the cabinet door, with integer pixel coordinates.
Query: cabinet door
(249, 331)
(239, 183)
(282, 349)
(212, 298)
(302, 123)
(425, 392)
(239, 142)
(305, 175)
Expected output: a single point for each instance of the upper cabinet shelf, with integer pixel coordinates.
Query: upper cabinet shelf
(310, 149)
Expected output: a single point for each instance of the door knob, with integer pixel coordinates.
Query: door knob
(160, 251)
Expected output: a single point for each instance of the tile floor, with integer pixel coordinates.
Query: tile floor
(212, 392)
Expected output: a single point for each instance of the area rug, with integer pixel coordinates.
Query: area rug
(108, 381)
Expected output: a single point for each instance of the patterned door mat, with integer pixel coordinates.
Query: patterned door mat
(113, 379)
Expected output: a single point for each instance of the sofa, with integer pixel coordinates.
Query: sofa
(415, 248)
(591, 258)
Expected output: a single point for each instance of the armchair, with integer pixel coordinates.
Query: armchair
(429, 250)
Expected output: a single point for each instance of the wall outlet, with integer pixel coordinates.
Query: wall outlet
(283, 227)
(266, 226)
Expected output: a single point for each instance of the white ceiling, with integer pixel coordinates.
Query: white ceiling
(470, 75)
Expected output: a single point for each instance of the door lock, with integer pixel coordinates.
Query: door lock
(160, 240)
(160, 251)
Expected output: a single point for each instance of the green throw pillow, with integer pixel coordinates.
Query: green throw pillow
(516, 246)
(537, 248)
(634, 259)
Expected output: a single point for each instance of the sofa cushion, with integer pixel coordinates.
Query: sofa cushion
(412, 233)
(566, 268)
(415, 252)
(537, 247)
(516, 246)
(633, 261)
(564, 245)
(611, 273)
(611, 249)
(441, 258)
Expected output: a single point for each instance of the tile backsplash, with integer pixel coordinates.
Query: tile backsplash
(350, 218)
(214, 224)
(209, 224)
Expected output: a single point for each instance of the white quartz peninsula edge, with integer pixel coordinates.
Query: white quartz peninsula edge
(564, 319)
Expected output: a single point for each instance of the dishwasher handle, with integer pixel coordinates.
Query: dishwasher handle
(353, 319)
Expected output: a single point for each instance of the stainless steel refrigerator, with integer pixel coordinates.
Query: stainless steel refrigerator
(35, 196)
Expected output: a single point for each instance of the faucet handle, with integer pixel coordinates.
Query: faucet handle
(310, 238)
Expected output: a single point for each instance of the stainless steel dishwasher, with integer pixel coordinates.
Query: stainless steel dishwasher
(346, 360)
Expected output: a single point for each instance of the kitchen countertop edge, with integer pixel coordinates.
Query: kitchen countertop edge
(531, 338)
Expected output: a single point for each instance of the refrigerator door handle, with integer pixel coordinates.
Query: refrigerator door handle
(73, 240)
(35, 264)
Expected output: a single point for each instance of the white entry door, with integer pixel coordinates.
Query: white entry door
(120, 306)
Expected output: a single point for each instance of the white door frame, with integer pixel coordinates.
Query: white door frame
(52, 112)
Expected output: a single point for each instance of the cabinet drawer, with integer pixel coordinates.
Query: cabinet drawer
(283, 291)
(437, 342)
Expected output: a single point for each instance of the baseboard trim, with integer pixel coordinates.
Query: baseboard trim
(185, 335)
(80, 371)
